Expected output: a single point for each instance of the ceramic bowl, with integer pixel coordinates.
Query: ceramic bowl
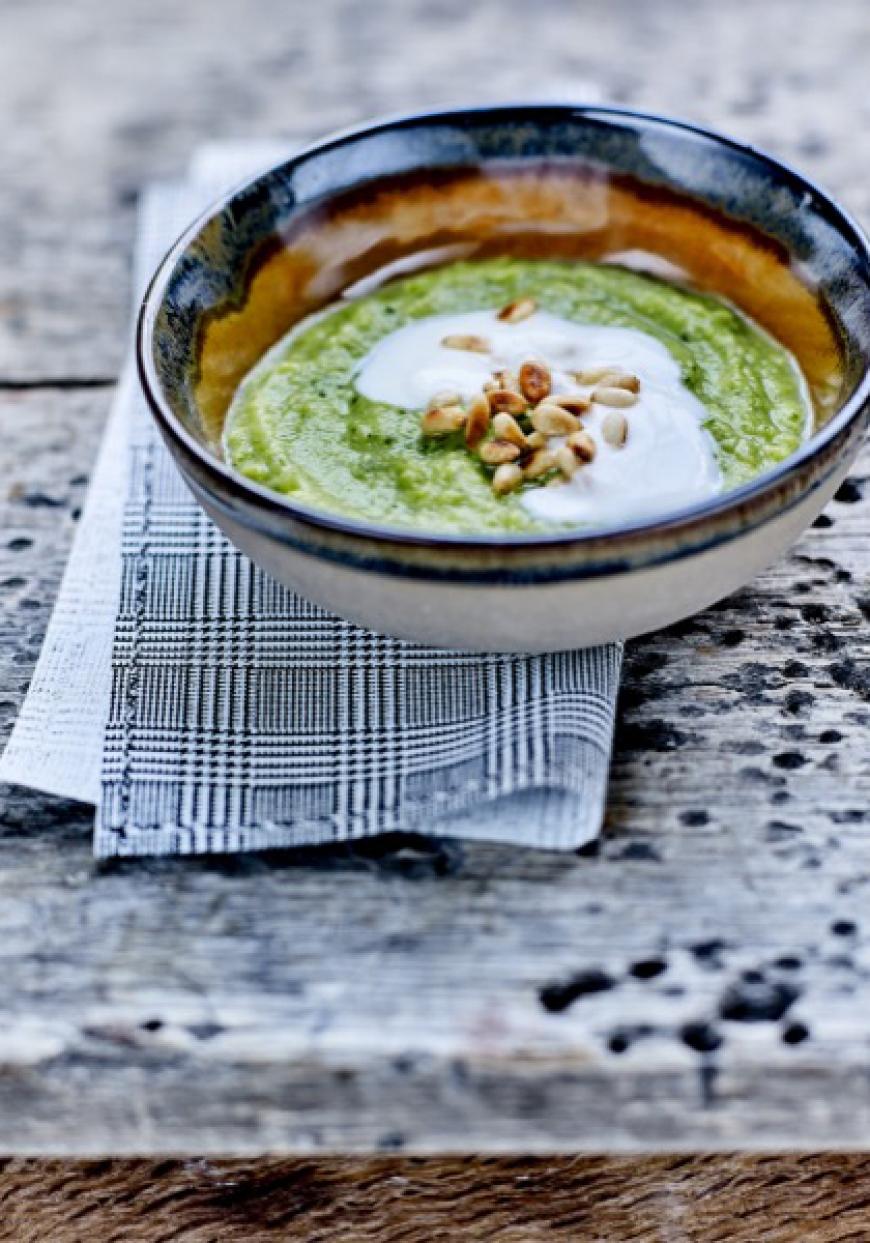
(532, 179)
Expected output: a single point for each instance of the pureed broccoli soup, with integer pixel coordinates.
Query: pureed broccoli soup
(513, 394)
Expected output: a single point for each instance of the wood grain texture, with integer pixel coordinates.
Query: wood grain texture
(703, 980)
(775, 1199)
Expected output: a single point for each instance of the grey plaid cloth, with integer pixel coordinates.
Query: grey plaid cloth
(243, 717)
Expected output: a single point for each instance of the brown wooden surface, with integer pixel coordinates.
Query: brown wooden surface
(774, 1199)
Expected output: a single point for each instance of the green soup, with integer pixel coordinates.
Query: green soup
(299, 426)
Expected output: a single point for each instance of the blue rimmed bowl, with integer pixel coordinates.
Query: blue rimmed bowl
(592, 181)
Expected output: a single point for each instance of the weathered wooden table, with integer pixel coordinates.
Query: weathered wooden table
(703, 979)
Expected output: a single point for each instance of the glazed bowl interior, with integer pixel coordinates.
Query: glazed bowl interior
(532, 181)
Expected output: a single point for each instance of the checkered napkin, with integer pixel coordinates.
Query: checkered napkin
(239, 716)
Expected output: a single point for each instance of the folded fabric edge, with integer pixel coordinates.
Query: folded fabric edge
(513, 817)
(56, 743)
(71, 681)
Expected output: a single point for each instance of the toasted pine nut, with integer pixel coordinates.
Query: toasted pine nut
(520, 308)
(614, 428)
(624, 379)
(541, 461)
(442, 420)
(507, 477)
(494, 452)
(507, 428)
(536, 440)
(535, 381)
(566, 461)
(553, 420)
(466, 341)
(575, 403)
(582, 445)
(608, 396)
(477, 420)
(594, 375)
(448, 398)
(505, 400)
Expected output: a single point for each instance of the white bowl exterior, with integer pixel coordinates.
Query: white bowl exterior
(544, 617)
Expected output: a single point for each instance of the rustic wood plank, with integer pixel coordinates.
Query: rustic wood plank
(702, 981)
(717, 1199)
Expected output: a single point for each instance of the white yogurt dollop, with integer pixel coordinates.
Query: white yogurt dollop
(668, 460)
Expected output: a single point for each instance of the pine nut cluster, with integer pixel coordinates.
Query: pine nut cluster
(509, 424)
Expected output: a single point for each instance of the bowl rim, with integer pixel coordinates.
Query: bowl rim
(674, 522)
